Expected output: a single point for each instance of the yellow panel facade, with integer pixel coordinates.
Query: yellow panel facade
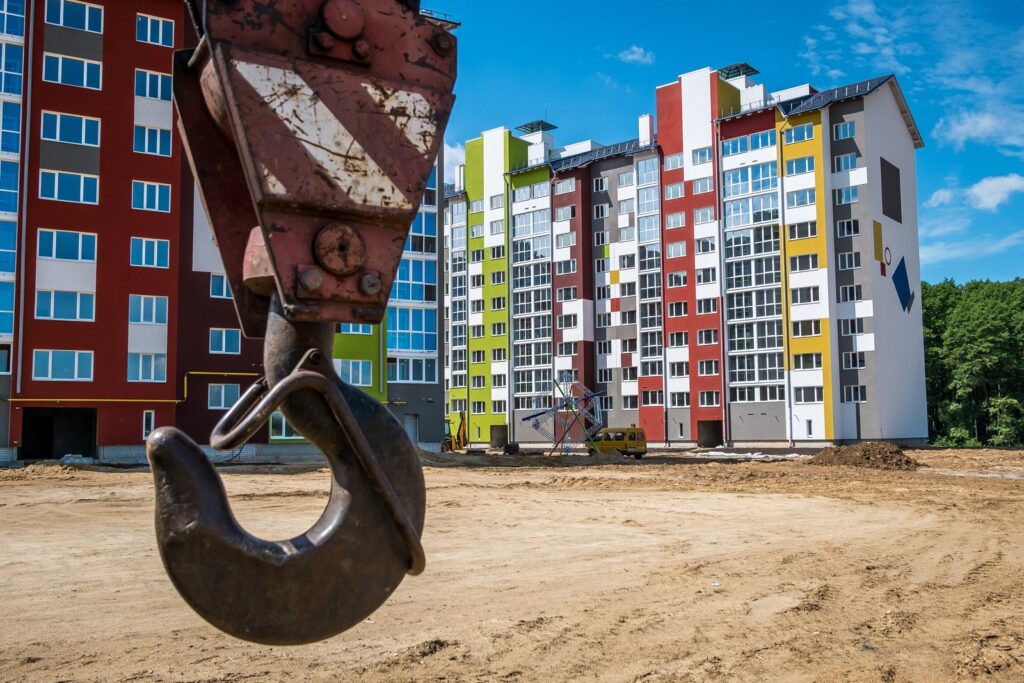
(813, 147)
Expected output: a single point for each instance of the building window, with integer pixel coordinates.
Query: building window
(416, 281)
(676, 250)
(9, 183)
(156, 141)
(221, 396)
(855, 394)
(706, 275)
(67, 246)
(800, 133)
(630, 402)
(80, 73)
(151, 196)
(412, 370)
(74, 130)
(600, 184)
(734, 146)
(677, 279)
(845, 162)
(147, 367)
(10, 126)
(601, 211)
(703, 215)
(280, 429)
(12, 17)
(849, 327)
(62, 366)
(679, 369)
(673, 162)
(565, 213)
(707, 337)
(801, 165)
(808, 395)
(850, 293)
(675, 220)
(148, 423)
(12, 58)
(59, 186)
(353, 328)
(152, 85)
(154, 30)
(147, 310)
(149, 253)
(806, 262)
(6, 319)
(674, 191)
(849, 260)
(358, 373)
(567, 321)
(806, 328)
(847, 195)
(412, 329)
(847, 228)
(648, 171)
(800, 198)
(710, 399)
(8, 242)
(220, 288)
(844, 130)
(856, 360)
(707, 368)
(654, 398)
(225, 341)
(57, 305)
(626, 179)
(702, 156)
(807, 361)
(680, 399)
(805, 295)
(565, 186)
(802, 231)
(74, 14)
(703, 185)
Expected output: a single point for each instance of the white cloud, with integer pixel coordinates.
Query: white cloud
(940, 198)
(979, 246)
(608, 81)
(454, 156)
(1003, 129)
(636, 55)
(989, 193)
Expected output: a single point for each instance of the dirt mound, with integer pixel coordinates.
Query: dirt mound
(879, 455)
(48, 469)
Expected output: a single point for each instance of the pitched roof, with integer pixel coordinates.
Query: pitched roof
(819, 100)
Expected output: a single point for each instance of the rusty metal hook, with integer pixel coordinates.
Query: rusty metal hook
(332, 577)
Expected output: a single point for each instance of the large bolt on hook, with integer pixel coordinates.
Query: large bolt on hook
(339, 572)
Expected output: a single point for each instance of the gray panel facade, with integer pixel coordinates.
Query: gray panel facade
(764, 421)
(868, 426)
(73, 43)
(58, 156)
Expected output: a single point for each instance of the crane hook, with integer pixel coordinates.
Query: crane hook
(342, 569)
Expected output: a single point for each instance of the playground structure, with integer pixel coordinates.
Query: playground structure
(570, 419)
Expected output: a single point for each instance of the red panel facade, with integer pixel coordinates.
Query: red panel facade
(119, 403)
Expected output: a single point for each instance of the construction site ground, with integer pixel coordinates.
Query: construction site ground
(550, 569)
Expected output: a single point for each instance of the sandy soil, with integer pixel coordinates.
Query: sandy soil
(650, 571)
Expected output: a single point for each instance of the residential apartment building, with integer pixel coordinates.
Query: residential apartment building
(115, 315)
(748, 275)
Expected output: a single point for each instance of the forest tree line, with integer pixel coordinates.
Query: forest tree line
(974, 357)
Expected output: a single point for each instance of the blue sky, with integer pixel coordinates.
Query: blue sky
(591, 69)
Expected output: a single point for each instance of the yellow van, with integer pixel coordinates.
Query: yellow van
(625, 440)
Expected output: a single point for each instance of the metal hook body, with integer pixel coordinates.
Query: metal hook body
(332, 577)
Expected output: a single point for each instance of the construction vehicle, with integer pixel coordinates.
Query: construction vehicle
(311, 127)
(457, 440)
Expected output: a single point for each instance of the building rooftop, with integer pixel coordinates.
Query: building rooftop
(819, 100)
(586, 158)
(536, 127)
(736, 70)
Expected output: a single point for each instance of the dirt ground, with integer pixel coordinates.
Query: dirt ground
(661, 570)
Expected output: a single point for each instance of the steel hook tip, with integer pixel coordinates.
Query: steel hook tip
(320, 583)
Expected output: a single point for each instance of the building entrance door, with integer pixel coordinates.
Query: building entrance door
(709, 433)
(52, 433)
(412, 427)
